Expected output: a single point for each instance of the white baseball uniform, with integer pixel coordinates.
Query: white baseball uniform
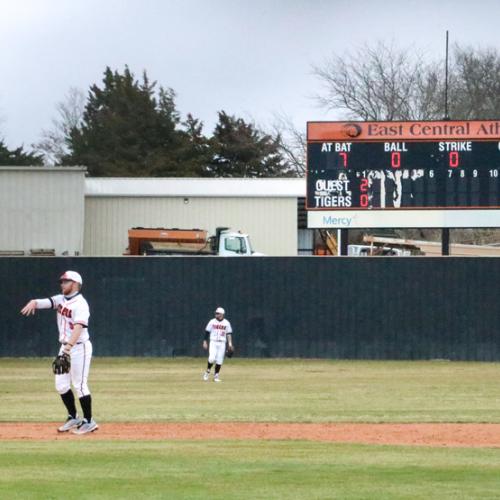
(218, 331)
(71, 311)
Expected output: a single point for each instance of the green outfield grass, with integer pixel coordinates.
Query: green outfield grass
(244, 470)
(139, 389)
(252, 390)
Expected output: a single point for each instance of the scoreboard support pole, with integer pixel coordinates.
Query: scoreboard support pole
(343, 235)
(445, 241)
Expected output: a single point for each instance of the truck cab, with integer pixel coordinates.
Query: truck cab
(231, 244)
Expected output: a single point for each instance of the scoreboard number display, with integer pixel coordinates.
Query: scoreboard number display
(403, 174)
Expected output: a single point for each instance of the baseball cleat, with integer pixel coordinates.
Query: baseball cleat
(205, 375)
(70, 423)
(217, 379)
(86, 427)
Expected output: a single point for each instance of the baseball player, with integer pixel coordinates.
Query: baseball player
(72, 320)
(219, 332)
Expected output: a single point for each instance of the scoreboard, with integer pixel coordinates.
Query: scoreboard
(403, 174)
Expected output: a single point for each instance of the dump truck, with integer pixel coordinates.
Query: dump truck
(174, 241)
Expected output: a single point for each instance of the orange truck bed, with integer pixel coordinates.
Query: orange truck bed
(187, 239)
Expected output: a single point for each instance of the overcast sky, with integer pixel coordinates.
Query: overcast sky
(251, 58)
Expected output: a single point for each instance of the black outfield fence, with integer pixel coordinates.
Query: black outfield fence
(349, 308)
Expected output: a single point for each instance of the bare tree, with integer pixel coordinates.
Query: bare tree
(54, 143)
(380, 83)
(475, 84)
(291, 142)
(386, 83)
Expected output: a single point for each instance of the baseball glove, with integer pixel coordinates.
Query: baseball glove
(61, 364)
(229, 351)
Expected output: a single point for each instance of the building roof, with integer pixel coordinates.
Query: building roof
(42, 169)
(195, 187)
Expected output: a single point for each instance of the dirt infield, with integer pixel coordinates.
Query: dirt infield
(464, 435)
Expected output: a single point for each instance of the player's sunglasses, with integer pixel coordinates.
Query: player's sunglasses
(65, 281)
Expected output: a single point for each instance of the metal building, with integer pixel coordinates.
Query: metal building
(42, 210)
(266, 209)
(58, 211)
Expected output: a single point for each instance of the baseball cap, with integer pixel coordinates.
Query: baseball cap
(72, 276)
(220, 310)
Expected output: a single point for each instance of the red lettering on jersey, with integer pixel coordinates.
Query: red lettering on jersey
(64, 311)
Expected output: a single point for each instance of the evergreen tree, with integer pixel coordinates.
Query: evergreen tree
(18, 157)
(127, 130)
(197, 151)
(240, 150)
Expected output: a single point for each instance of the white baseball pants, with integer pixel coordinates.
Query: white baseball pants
(216, 352)
(81, 355)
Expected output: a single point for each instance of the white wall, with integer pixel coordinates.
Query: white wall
(42, 207)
